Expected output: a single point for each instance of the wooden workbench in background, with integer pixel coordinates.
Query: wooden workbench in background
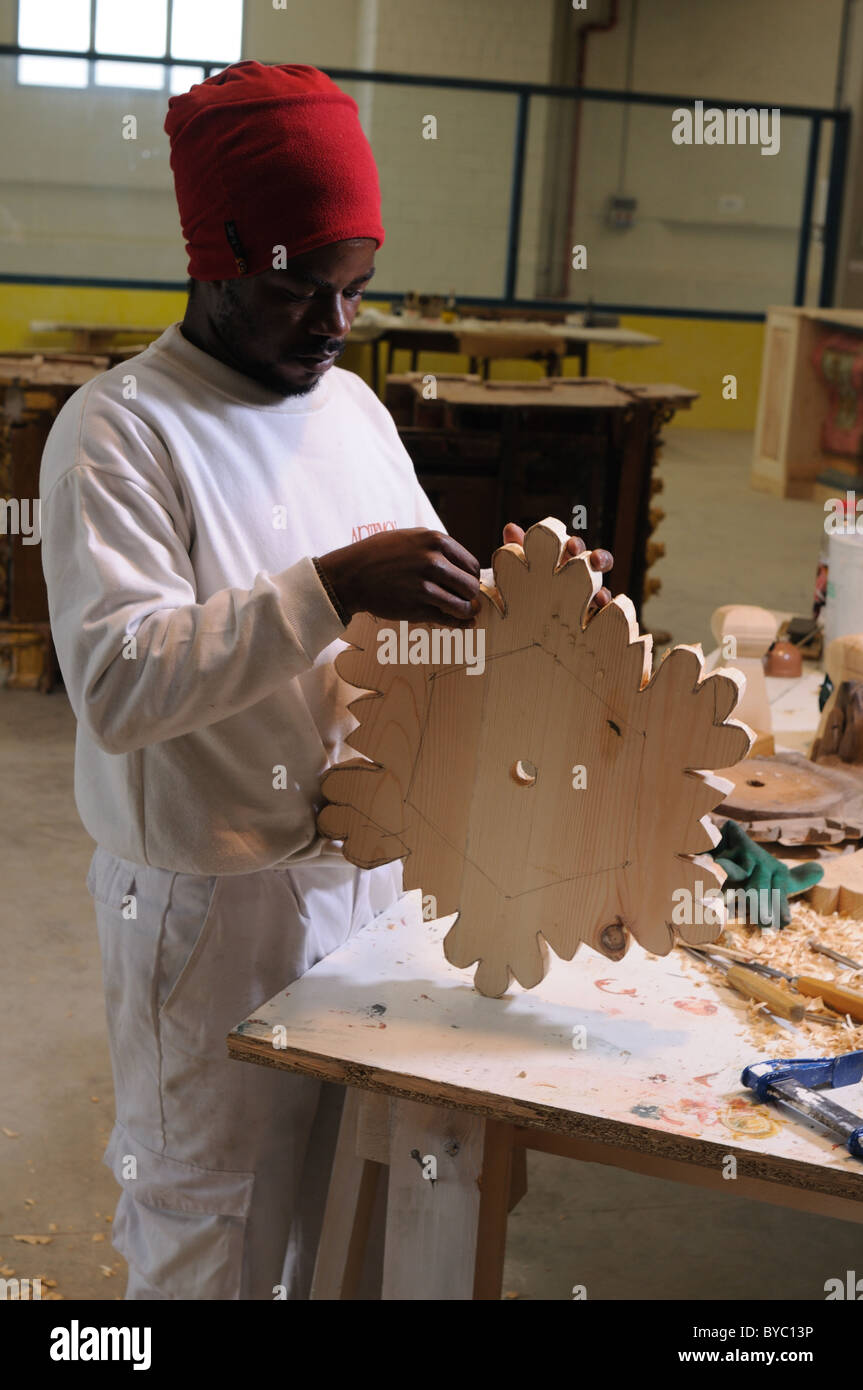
(99, 338)
(543, 336)
(32, 391)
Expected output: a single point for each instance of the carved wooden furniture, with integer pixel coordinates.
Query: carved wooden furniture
(794, 454)
(492, 452)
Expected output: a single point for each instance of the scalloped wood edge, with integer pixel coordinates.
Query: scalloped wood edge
(471, 837)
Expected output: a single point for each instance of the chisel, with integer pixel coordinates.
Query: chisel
(746, 981)
(834, 955)
(839, 997)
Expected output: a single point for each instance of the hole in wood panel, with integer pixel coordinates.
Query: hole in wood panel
(754, 782)
(523, 772)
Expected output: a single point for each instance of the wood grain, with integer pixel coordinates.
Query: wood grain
(840, 730)
(556, 857)
(432, 1226)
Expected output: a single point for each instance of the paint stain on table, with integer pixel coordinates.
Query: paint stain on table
(752, 1120)
(695, 1006)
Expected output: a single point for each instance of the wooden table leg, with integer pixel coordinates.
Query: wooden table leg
(432, 1226)
(496, 1190)
(348, 1213)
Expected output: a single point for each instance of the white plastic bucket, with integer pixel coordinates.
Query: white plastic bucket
(843, 611)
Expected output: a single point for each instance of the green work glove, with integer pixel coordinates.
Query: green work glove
(750, 867)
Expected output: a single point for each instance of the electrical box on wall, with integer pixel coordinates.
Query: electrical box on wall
(620, 212)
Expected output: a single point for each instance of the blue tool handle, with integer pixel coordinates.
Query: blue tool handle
(844, 1070)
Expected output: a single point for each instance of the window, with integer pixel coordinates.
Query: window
(124, 43)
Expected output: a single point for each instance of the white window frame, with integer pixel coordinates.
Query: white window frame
(166, 61)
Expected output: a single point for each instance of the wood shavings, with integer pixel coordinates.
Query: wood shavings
(11, 1133)
(788, 950)
(35, 1240)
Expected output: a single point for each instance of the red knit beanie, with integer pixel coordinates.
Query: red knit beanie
(269, 157)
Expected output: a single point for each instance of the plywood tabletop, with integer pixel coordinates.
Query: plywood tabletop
(373, 323)
(106, 329)
(659, 1072)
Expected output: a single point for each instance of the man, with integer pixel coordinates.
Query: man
(199, 509)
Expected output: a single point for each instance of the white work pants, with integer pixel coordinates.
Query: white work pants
(224, 1165)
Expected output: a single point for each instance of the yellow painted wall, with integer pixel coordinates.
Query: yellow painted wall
(694, 352)
(19, 304)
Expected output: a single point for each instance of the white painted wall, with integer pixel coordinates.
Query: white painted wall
(686, 247)
(76, 199)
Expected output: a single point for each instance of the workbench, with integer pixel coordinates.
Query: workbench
(480, 339)
(98, 337)
(635, 1065)
(33, 389)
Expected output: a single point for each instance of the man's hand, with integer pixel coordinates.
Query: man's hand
(601, 560)
(422, 576)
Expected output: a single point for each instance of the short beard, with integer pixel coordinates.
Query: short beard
(231, 309)
(282, 389)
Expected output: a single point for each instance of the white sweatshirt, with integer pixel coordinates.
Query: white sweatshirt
(181, 504)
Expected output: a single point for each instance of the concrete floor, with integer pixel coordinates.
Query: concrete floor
(619, 1235)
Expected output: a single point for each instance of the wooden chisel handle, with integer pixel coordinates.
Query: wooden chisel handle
(839, 997)
(778, 999)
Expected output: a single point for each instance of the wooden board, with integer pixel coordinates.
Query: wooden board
(790, 800)
(374, 322)
(841, 888)
(561, 796)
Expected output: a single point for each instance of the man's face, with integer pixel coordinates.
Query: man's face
(286, 328)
